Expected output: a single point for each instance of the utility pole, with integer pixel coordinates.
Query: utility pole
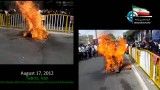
(96, 37)
(96, 33)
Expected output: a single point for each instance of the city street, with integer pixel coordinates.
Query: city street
(93, 77)
(139, 70)
(15, 49)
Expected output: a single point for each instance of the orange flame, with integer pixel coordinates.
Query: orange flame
(112, 50)
(33, 19)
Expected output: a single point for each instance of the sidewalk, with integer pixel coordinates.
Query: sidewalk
(144, 80)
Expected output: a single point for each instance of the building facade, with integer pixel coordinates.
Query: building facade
(86, 39)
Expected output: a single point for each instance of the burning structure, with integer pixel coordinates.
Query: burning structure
(31, 14)
(113, 51)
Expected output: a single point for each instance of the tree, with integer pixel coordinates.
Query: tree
(130, 35)
(112, 36)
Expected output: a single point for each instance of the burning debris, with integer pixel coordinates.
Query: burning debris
(113, 51)
(31, 14)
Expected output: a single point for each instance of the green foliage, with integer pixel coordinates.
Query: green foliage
(130, 35)
(112, 36)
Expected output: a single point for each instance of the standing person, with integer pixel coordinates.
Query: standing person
(86, 51)
(89, 51)
(151, 45)
(142, 45)
(83, 51)
(96, 53)
(71, 20)
(93, 51)
(156, 48)
(6, 19)
(80, 53)
(81, 48)
(145, 43)
(6, 12)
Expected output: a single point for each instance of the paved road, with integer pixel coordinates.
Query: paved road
(92, 77)
(15, 49)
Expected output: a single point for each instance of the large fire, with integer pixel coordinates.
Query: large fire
(113, 52)
(33, 18)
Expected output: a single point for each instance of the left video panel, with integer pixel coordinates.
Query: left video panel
(36, 41)
(31, 34)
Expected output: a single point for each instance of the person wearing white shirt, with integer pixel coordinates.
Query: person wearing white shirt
(80, 52)
(96, 53)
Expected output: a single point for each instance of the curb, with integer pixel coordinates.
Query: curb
(140, 79)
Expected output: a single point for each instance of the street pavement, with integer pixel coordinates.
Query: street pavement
(15, 49)
(93, 77)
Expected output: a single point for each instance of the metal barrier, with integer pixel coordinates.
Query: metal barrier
(52, 22)
(149, 62)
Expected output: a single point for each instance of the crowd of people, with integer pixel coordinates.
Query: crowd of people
(148, 44)
(87, 51)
